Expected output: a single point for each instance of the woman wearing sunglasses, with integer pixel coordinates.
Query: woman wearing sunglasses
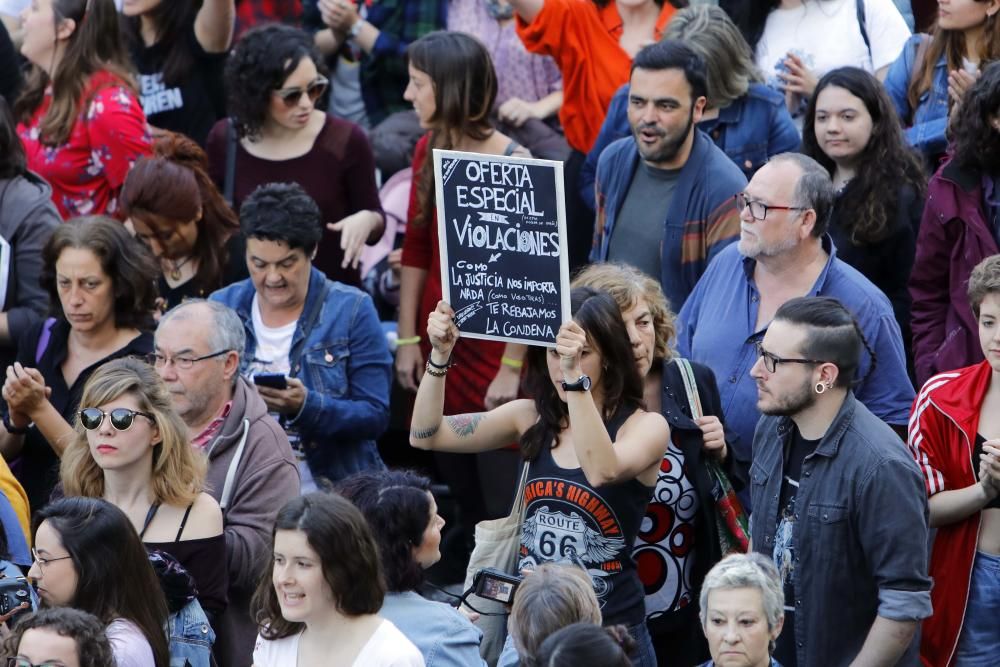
(101, 286)
(89, 557)
(131, 449)
(274, 83)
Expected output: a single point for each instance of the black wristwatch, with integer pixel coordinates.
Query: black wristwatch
(582, 384)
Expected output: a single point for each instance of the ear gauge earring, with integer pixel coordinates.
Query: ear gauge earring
(820, 388)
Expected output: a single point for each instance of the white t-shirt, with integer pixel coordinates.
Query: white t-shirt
(129, 646)
(273, 344)
(387, 647)
(825, 34)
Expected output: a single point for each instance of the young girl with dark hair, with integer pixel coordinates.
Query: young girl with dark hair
(957, 231)
(179, 48)
(318, 602)
(177, 211)
(278, 133)
(593, 452)
(929, 78)
(404, 519)
(89, 557)
(852, 129)
(79, 117)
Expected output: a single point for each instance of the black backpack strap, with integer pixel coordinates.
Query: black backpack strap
(229, 185)
(863, 25)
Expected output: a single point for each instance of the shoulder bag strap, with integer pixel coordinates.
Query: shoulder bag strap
(862, 24)
(518, 506)
(690, 388)
(229, 185)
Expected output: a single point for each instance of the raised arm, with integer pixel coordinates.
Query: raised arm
(478, 432)
(213, 26)
(641, 441)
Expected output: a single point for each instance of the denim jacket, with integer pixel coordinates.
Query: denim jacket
(344, 362)
(191, 637)
(861, 541)
(749, 131)
(926, 125)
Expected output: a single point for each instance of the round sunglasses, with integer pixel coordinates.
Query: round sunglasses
(121, 418)
(291, 96)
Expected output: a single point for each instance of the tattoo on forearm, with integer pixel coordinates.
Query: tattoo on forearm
(424, 433)
(464, 425)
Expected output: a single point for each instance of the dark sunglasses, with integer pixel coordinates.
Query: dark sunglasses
(291, 96)
(121, 418)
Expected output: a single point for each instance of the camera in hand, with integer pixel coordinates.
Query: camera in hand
(496, 585)
(13, 592)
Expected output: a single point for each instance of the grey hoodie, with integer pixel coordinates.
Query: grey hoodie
(27, 219)
(263, 479)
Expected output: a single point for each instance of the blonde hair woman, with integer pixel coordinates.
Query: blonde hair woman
(673, 556)
(131, 449)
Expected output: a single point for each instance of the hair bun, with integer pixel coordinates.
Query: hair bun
(180, 149)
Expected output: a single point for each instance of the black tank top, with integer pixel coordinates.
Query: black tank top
(568, 519)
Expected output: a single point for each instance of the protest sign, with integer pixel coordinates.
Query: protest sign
(502, 234)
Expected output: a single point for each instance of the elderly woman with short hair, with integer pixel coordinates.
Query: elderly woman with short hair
(742, 611)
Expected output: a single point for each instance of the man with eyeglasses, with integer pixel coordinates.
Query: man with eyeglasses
(839, 503)
(665, 194)
(784, 252)
(251, 468)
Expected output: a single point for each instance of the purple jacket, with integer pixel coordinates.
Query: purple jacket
(954, 237)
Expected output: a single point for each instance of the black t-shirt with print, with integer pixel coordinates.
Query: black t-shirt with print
(194, 105)
(797, 449)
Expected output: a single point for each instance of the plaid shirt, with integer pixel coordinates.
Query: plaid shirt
(255, 12)
(383, 71)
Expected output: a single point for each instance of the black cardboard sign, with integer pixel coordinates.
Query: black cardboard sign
(502, 232)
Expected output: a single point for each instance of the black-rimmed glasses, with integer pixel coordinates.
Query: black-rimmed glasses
(758, 209)
(771, 361)
(121, 418)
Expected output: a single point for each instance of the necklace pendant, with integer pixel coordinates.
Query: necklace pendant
(175, 274)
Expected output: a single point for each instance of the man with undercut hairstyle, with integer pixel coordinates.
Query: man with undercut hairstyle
(839, 503)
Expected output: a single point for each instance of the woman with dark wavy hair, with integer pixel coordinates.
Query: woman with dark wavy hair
(404, 519)
(319, 599)
(78, 114)
(275, 85)
(101, 286)
(179, 48)
(177, 211)
(593, 452)
(851, 128)
(958, 230)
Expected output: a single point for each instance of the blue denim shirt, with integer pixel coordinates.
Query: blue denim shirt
(345, 365)
(191, 637)
(443, 635)
(926, 125)
(717, 327)
(749, 131)
(861, 542)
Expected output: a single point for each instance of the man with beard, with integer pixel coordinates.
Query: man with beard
(665, 194)
(251, 468)
(838, 502)
(784, 252)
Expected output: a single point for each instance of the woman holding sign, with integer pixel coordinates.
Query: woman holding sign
(593, 452)
(453, 88)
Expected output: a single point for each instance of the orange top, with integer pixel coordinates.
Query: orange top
(11, 488)
(583, 40)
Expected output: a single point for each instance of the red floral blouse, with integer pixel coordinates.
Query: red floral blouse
(87, 172)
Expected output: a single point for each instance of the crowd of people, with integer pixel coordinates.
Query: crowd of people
(241, 426)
